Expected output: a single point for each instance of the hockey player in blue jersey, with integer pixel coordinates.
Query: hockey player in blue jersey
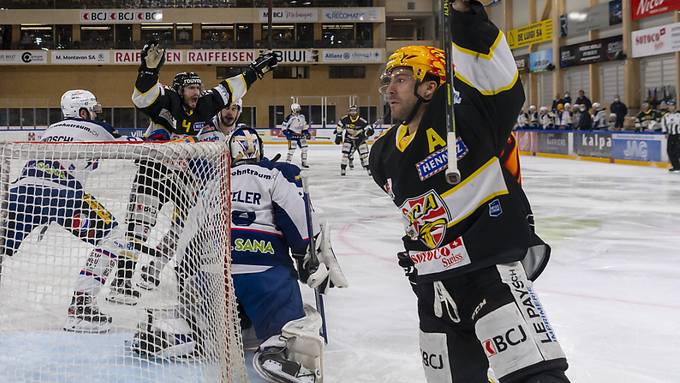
(296, 130)
(269, 223)
(53, 191)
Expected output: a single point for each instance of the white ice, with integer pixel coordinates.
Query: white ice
(610, 291)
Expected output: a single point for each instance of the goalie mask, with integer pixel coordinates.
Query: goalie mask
(245, 146)
(73, 101)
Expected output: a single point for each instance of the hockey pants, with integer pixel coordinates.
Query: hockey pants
(673, 150)
(489, 317)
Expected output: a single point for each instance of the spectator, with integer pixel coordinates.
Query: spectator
(545, 119)
(556, 101)
(620, 110)
(563, 116)
(584, 100)
(600, 121)
(522, 120)
(585, 120)
(647, 118)
(533, 117)
(567, 98)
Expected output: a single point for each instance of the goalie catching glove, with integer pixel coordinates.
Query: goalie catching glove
(323, 271)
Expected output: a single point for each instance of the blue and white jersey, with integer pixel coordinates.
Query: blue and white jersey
(295, 123)
(65, 173)
(268, 218)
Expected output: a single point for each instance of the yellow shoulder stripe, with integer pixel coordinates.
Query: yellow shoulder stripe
(486, 56)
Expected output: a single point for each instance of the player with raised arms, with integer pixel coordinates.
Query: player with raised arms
(468, 248)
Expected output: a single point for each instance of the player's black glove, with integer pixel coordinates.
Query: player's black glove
(369, 131)
(152, 57)
(264, 63)
(338, 139)
(409, 267)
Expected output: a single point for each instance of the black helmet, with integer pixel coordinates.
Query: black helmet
(183, 79)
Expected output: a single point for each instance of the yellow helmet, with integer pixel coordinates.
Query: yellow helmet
(421, 59)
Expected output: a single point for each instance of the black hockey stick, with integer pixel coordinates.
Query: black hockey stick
(318, 297)
(452, 173)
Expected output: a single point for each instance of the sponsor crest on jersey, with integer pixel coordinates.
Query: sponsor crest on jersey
(437, 162)
(495, 208)
(426, 218)
(450, 256)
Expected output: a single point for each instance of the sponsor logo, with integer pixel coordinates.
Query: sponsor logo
(437, 162)
(495, 208)
(26, 57)
(450, 256)
(427, 216)
(636, 149)
(477, 309)
(648, 7)
(596, 141)
(503, 342)
(434, 361)
(532, 308)
(253, 246)
(120, 17)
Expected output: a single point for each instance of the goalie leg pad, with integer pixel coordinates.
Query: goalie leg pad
(363, 154)
(295, 356)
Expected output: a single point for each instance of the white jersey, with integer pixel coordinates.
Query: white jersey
(601, 120)
(546, 121)
(65, 173)
(670, 123)
(268, 218)
(296, 123)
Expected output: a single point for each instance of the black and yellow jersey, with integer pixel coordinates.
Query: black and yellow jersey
(484, 220)
(165, 107)
(354, 128)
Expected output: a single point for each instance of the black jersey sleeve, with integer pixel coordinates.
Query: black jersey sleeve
(154, 99)
(485, 66)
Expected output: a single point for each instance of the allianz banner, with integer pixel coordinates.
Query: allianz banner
(638, 147)
(593, 144)
(553, 142)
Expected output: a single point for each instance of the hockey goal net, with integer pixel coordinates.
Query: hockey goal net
(61, 205)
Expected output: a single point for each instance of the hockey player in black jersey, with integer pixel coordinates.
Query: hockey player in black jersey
(471, 252)
(185, 108)
(356, 130)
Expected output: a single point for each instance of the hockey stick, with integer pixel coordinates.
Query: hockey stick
(318, 297)
(452, 173)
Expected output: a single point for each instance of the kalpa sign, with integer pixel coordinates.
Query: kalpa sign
(290, 15)
(646, 8)
(120, 16)
(657, 40)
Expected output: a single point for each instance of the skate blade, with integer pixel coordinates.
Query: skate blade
(271, 371)
(81, 326)
(146, 285)
(122, 300)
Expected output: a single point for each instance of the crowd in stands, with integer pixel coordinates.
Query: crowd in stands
(583, 114)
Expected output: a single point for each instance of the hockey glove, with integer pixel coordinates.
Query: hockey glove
(338, 139)
(306, 134)
(152, 57)
(409, 267)
(264, 63)
(369, 131)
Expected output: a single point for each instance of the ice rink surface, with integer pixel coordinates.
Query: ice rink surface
(611, 290)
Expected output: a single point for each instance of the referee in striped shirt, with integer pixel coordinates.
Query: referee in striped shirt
(670, 124)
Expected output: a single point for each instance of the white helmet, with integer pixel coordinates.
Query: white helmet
(597, 106)
(74, 100)
(295, 107)
(532, 108)
(544, 109)
(567, 105)
(238, 102)
(245, 145)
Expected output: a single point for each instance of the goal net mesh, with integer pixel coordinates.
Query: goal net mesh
(66, 239)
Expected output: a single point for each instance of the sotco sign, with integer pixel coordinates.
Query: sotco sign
(646, 8)
(657, 40)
